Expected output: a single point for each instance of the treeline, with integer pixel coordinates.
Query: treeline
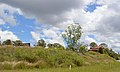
(41, 43)
(12, 43)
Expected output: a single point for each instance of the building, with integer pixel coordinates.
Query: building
(26, 44)
(96, 48)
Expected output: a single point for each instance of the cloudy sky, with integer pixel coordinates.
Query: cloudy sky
(31, 20)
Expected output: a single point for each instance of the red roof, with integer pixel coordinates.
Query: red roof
(95, 48)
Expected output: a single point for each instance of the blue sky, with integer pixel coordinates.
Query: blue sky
(92, 6)
(22, 29)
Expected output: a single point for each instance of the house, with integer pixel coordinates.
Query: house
(96, 48)
(26, 44)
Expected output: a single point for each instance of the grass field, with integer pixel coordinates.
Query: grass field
(96, 68)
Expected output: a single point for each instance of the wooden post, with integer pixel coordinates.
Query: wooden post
(70, 67)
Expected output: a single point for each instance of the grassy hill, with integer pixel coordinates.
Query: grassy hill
(114, 67)
(38, 57)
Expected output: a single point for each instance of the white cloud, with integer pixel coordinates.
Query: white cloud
(2, 22)
(7, 14)
(35, 36)
(52, 35)
(7, 35)
(104, 23)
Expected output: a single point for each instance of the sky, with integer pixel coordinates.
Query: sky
(31, 20)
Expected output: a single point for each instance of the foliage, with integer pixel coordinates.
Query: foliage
(17, 43)
(83, 49)
(101, 50)
(103, 45)
(110, 52)
(50, 45)
(55, 45)
(72, 35)
(40, 58)
(7, 42)
(22, 65)
(41, 43)
(6, 66)
(93, 44)
(111, 67)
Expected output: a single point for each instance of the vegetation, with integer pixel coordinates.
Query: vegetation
(55, 45)
(27, 58)
(104, 45)
(17, 43)
(39, 57)
(7, 42)
(72, 35)
(111, 67)
(41, 43)
(15, 55)
(93, 44)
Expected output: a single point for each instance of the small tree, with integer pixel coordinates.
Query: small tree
(71, 36)
(93, 44)
(7, 42)
(41, 43)
(101, 50)
(82, 49)
(104, 45)
(55, 45)
(50, 45)
(17, 43)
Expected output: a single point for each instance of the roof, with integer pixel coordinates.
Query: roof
(95, 48)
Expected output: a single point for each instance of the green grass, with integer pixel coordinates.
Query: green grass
(114, 67)
(53, 60)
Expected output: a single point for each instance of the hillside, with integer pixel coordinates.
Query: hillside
(25, 58)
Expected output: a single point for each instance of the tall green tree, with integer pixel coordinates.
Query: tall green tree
(93, 44)
(71, 36)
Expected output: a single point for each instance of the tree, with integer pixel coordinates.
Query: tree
(104, 45)
(41, 43)
(55, 45)
(71, 36)
(101, 50)
(82, 49)
(93, 44)
(7, 42)
(17, 43)
(50, 46)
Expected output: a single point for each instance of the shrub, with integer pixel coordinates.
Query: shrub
(22, 65)
(6, 66)
(40, 64)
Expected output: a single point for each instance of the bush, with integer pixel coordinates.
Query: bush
(40, 64)
(22, 65)
(6, 66)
